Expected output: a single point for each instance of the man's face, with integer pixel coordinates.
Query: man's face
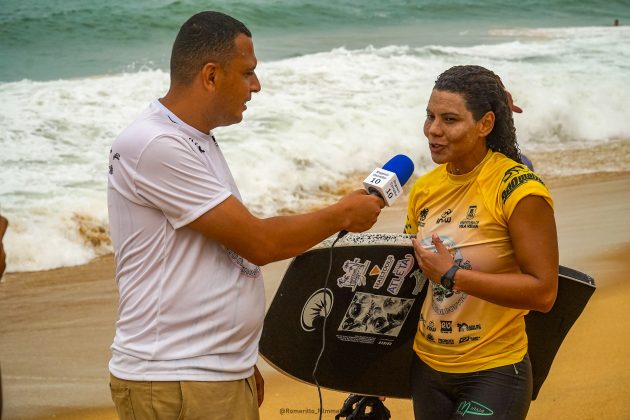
(236, 80)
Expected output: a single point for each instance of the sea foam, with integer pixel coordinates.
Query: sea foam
(320, 119)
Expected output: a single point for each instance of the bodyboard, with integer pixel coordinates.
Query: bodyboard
(373, 298)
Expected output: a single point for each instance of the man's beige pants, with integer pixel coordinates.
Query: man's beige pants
(186, 400)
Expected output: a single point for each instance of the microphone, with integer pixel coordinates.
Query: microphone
(387, 182)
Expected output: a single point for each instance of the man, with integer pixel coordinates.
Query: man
(187, 250)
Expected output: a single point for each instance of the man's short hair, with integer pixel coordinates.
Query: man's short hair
(205, 37)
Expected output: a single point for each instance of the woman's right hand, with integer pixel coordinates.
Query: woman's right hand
(433, 264)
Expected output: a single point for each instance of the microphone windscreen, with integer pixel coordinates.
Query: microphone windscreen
(402, 166)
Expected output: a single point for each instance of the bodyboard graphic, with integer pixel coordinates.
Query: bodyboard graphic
(376, 314)
(316, 308)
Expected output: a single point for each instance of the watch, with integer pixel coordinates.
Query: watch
(448, 279)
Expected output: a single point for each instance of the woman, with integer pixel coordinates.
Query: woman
(486, 238)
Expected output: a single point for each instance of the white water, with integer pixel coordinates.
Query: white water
(319, 119)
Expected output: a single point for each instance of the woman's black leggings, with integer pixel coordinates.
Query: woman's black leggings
(499, 393)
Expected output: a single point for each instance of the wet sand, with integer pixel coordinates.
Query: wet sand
(56, 326)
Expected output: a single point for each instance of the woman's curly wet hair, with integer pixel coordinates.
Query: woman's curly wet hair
(483, 91)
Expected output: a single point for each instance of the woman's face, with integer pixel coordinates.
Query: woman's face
(454, 136)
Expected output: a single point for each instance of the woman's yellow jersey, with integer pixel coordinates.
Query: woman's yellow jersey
(460, 333)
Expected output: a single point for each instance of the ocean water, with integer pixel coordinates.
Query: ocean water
(344, 88)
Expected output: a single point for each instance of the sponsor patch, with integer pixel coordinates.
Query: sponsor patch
(445, 217)
(514, 178)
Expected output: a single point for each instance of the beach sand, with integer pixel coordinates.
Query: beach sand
(56, 326)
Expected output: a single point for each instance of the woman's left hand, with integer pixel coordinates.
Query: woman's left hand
(433, 264)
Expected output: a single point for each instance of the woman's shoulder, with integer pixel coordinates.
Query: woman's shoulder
(509, 176)
(427, 182)
(430, 177)
(504, 170)
(499, 162)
